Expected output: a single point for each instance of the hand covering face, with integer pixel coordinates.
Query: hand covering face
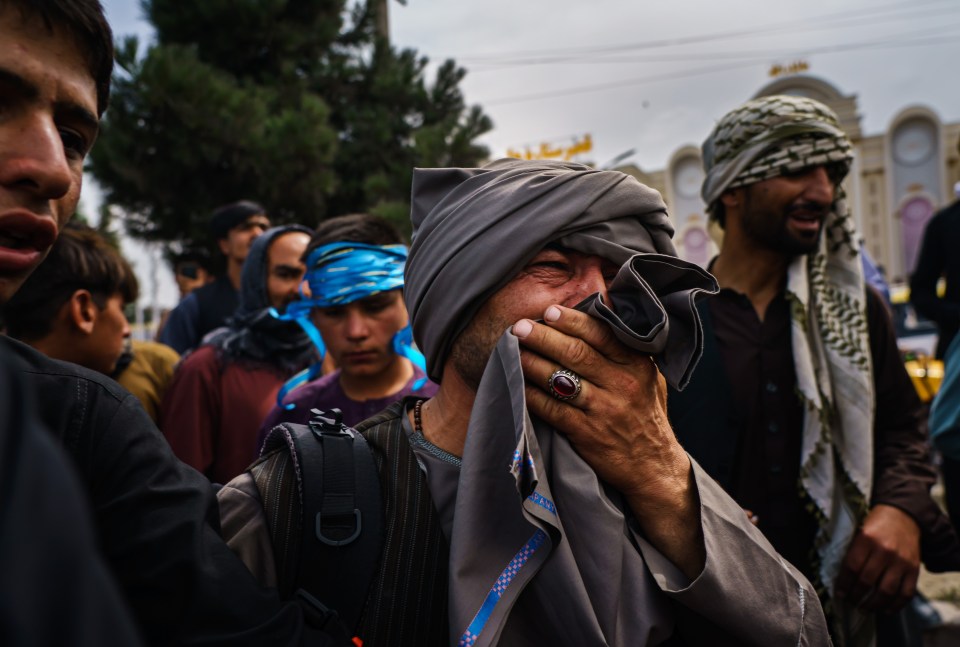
(762, 139)
(530, 514)
(475, 229)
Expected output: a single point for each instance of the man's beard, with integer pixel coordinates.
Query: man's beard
(472, 348)
(769, 227)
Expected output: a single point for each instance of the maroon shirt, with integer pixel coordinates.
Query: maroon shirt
(210, 414)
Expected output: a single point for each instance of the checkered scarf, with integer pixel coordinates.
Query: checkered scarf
(762, 139)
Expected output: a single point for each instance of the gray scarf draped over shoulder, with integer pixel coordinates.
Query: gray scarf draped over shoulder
(530, 514)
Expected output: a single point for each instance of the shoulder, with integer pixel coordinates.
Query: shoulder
(202, 356)
(215, 291)
(951, 211)
(155, 353)
(186, 308)
(200, 364)
(44, 371)
(386, 420)
(948, 217)
(210, 289)
(99, 422)
(387, 440)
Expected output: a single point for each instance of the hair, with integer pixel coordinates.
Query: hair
(354, 228)
(718, 212)
(85, 22)
(81, 259)
(194, 255)
(227, 216)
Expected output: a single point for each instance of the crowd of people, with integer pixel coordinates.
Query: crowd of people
(570, 436)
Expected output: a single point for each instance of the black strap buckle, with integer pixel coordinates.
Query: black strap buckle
(357, 518)
(320, 616)
(327, 422)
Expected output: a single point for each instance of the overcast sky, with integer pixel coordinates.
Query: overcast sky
(652, 76)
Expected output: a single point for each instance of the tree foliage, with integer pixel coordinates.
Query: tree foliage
(297, 104)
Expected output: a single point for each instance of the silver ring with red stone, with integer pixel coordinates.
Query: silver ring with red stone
(564, 384)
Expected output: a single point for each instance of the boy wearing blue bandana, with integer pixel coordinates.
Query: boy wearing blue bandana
(353, 310)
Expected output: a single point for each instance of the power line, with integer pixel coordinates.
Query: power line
(755, 55)
(861, 17)
(700, 71)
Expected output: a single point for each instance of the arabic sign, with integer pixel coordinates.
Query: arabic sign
(795, 67)
(546, 151)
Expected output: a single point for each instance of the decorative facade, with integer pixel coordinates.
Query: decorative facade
(898, 180)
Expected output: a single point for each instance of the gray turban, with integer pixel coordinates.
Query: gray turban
(475, 229)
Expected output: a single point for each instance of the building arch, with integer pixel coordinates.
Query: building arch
(915, 159)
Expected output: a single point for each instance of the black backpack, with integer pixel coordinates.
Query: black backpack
(321, 495)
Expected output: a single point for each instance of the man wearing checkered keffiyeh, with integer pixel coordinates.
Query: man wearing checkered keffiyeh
(793, 308)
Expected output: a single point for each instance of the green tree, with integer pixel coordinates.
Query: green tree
(298, 104)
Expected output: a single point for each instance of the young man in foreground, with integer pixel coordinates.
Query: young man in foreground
(155, 518)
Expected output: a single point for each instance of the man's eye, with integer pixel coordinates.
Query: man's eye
(375, 307)
(554, 265)
(74, 143)
(835, 172)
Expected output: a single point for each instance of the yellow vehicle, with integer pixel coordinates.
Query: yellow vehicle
(917, 339)
(926, 373)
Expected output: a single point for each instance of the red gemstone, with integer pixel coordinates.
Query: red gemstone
(564, 385)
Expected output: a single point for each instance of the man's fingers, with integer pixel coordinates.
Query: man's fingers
(879, 582)
(866, 587)
(889, 591)
(908, 589)
(882, 565)
(554, 412)
(847, 580)
(897, 585)
(538, 371)
(592, 334)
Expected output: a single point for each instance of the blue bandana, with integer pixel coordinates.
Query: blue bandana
(341, 273)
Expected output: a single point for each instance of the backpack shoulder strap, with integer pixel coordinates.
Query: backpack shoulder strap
(321, 495)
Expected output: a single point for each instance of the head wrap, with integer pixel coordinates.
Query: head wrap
(253, 334)
(763, 139)
(474, 230)
(341, 273)
(229, 216)
(770, 136)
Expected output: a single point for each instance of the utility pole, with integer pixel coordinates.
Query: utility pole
(383, 20)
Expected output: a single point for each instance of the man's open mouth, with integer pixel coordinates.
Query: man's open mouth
(16, 241)
(23, 239)
(806, 222)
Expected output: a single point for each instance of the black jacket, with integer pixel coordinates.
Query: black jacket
(156, 519)
(55, 588)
